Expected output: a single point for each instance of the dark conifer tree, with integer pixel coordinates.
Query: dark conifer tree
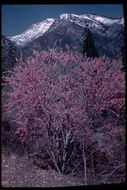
(89, 48)
(123, 58)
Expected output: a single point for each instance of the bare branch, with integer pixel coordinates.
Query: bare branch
(55, 162)
(116, 168)
(84, 161)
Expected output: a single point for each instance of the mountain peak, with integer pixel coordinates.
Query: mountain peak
(33, 32)
(101, 19)
(67, 15)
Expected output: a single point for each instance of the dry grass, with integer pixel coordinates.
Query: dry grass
(20, 172)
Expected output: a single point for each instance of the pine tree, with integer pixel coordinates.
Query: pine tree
(123, 58)
(89, 48)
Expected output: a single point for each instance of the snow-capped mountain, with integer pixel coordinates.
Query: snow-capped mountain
(95, 22)
(68, 29)
(32, 33)
(94, 18)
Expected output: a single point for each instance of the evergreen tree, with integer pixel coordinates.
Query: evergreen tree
(123, 58)
(89, 48)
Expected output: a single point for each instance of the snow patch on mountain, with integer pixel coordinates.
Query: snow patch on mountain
(82, 20)
(121, 21)
(32, 33)
(95, 18)
(106, 21)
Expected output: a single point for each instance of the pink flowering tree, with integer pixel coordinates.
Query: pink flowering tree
(57, 101)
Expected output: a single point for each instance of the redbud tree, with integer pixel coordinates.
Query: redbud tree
(59, 99)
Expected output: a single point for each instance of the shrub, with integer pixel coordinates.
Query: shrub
(57, 100)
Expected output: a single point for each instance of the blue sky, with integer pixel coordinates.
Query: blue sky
(17, 18)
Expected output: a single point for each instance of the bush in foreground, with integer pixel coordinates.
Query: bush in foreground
(59, 101)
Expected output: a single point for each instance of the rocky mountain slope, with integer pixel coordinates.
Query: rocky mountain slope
(9, 53)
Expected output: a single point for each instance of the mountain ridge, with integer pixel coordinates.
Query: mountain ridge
(96, 22)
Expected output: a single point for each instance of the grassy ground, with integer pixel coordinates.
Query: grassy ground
(20, 172)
